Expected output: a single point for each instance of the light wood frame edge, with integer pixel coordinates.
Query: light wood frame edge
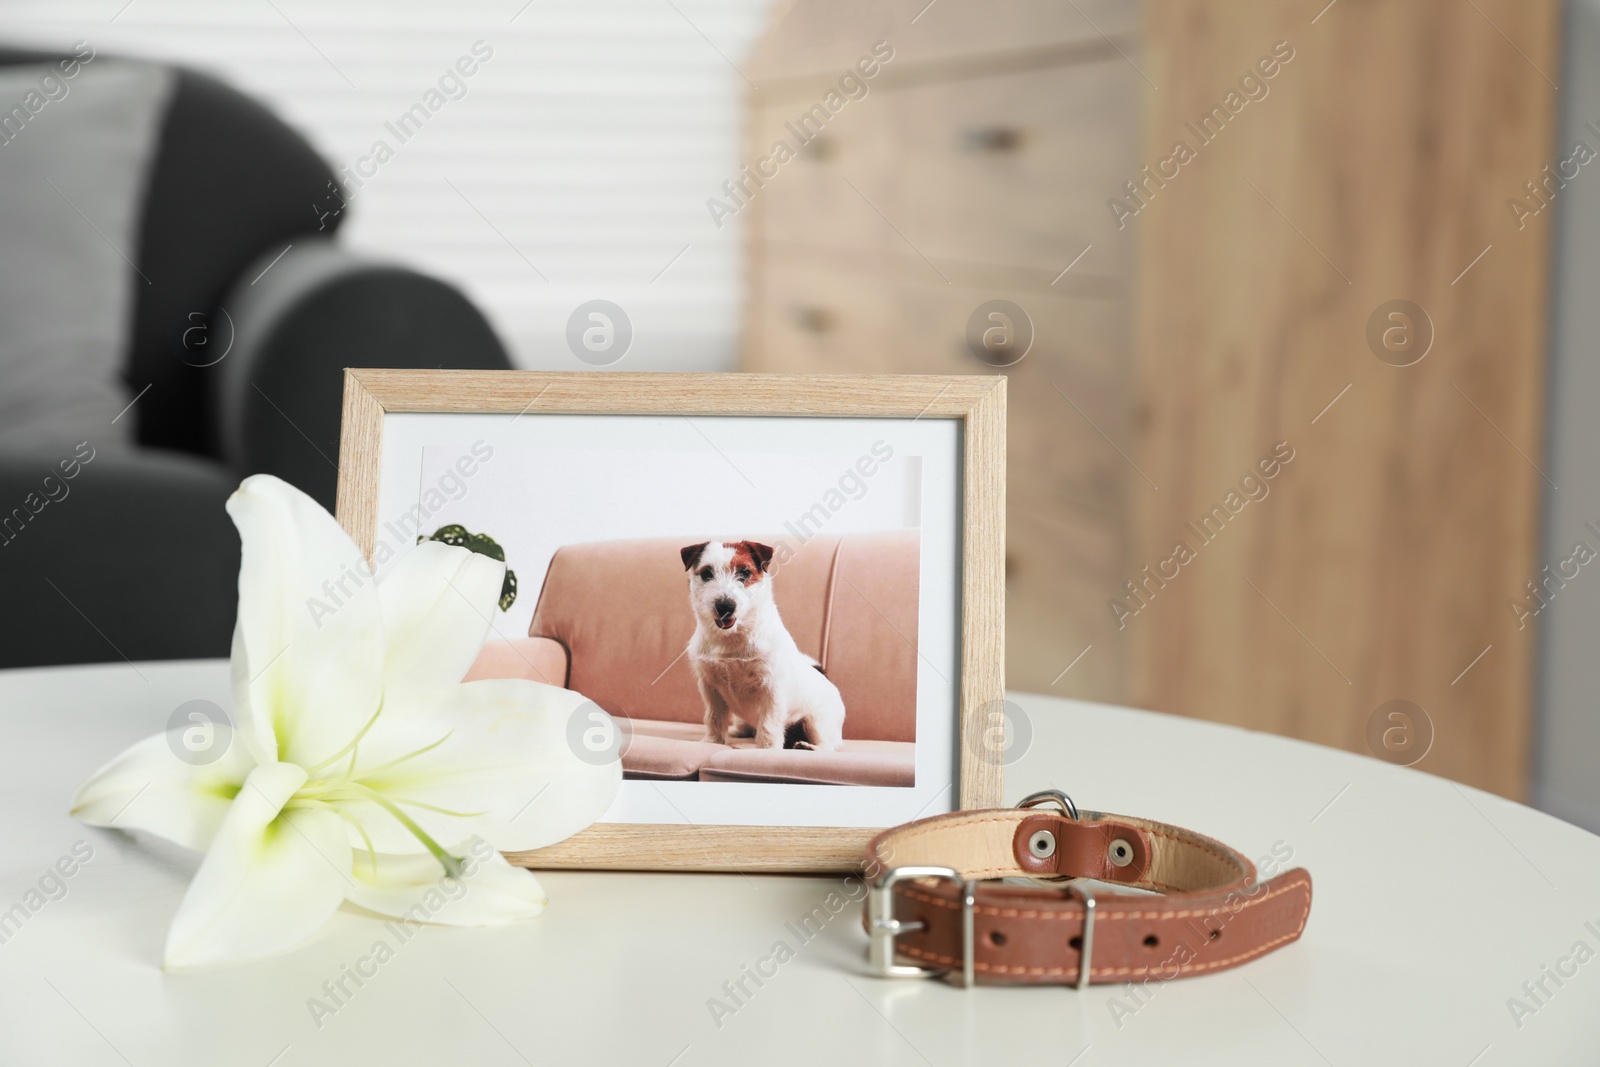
(978, 401)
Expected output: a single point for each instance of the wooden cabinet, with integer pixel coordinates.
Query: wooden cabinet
(1374, 164)
(1382, 565)
(973, 169)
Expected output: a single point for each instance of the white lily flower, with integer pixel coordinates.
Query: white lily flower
(361, 767)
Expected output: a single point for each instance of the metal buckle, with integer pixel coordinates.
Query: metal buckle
(883, 927)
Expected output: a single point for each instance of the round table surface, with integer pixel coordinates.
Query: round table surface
(1448, 927)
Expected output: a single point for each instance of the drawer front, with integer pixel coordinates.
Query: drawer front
(831, 193)
(1085, 337)
(1065, 397)
(805, 317)
(1017, 169)
(1068, 398)
(1009, 170)
(810, 310)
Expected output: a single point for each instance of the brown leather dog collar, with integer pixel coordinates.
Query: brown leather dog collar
(934, 901)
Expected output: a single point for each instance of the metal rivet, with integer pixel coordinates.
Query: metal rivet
(1121, 852)
(1042, 844)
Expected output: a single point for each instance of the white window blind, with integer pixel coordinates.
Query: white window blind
(573, 164)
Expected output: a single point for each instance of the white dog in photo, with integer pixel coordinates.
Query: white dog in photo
(746, 664)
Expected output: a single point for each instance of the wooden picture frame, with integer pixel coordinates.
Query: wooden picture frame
(977, 402)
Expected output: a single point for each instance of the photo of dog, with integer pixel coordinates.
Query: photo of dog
(782, 651)
(751, 674)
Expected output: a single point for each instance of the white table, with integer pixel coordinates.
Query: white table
(1434, 904)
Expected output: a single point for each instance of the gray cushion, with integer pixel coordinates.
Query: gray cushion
(74, 154)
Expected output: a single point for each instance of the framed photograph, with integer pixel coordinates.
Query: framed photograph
(785, 592)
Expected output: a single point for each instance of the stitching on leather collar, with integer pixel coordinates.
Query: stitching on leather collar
(1187, 970)
(1190, 969)
(1108, 903)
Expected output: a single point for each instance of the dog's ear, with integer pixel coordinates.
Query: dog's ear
(760, 553)
(691, 554)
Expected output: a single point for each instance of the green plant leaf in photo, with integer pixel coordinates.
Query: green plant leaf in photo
(484, 545)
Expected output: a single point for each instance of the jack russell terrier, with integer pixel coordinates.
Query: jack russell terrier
(746, 664)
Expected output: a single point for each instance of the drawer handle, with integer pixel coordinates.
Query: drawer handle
(819, 149)
(813, 319)
(995, 139)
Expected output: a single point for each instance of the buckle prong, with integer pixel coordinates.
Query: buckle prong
(969, 904)
(1086, 956)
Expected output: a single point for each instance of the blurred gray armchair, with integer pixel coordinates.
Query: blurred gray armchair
(243, 314)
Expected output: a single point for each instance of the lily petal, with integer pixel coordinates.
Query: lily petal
(501, 761)
(149, 788)
(489, 892)
(308, 648)
(272, 877)
(438, 606)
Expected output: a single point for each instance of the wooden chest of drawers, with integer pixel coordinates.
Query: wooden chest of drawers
(974, 168)
(982, 161)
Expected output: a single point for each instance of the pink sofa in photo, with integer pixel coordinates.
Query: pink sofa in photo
(613, 620)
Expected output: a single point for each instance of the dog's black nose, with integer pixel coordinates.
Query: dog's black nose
(723, 606)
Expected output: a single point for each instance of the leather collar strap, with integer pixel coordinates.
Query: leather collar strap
(933, 900)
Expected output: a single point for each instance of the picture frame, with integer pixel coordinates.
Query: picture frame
(971, 407)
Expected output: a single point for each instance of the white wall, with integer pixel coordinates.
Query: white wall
(1566, 773)
(589, 142)
(696, 496)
